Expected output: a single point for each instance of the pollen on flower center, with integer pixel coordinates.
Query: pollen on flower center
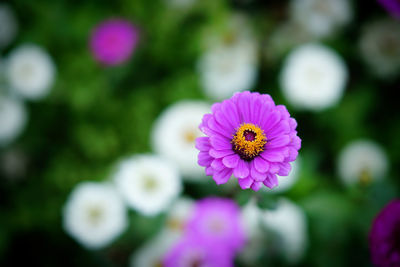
(248, 141)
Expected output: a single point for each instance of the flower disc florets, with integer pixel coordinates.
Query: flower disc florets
(250, 137)
(248, 141)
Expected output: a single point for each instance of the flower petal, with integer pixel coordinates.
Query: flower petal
(271, 181)
(273, 155)
(203, 143)
(257, 176)
(222, 176)
(204, 159)
(220, 153)
(260, 164)
(231, 161)
(220, 143)
(285, 169)
(241, 170)
(279, 141)
(245, 183)
(217, 165)
(256, 185)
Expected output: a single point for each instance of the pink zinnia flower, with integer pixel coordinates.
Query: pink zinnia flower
(250, 137)
(217, 220)
(113, 41)
(384, 237)
(194, 251)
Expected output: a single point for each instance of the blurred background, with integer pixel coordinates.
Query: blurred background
(100, 103)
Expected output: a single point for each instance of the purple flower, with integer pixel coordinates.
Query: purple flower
(193, 251)
(384, 237)
(217, 220)
(113, 41)
(391, 6)
(250, 137)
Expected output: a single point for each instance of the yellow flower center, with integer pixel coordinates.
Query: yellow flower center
(248, 141)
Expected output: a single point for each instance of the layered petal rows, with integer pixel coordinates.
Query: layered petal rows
(220, 155)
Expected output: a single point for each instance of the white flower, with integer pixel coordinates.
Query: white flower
(148, 183)
(30, 71)
(8, 25)
(94, 214)
(287, 182)
(230, 64)
(321, 17)
(13, 164)
(362, 161)
(380, 47)
(153, 252)
(178, 215)
(251, 216)
(313, 77)
(13, 118)
(174, 134)
(289, 222)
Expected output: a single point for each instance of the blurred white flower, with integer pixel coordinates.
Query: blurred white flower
(313, 77)
(380, 47)
(13, 164)
(174, 134)
(94, 214)
(362, 161)
(178, 215)
(152, 253)
(230, 63)
(286, 182)
(289, 222)
(148, 183)
(13, 118)
(30, 71)
(321, 18)
(251, 216)
(8, 25)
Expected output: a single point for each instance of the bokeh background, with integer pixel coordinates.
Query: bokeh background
(91, 115)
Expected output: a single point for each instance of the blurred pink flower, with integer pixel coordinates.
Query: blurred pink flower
(217, 220)
(113, 41)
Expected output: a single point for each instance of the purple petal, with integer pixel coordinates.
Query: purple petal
(279, 141)
(270, 120)
(203, 143)
(241, 170)
(285, 169)
(230, 112)
(271, 181)
(256, 186)
(222, 176)
(292, 154)
(217, 165)
(215, 126)
(245, 183)
(257, 176)
(273, 168)
(209, 171)
(204, 159)
(244, 106)
(280, 129)
(273, 155)
(220, 143)
(220, 153)
(231, 161)
(260, 164)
